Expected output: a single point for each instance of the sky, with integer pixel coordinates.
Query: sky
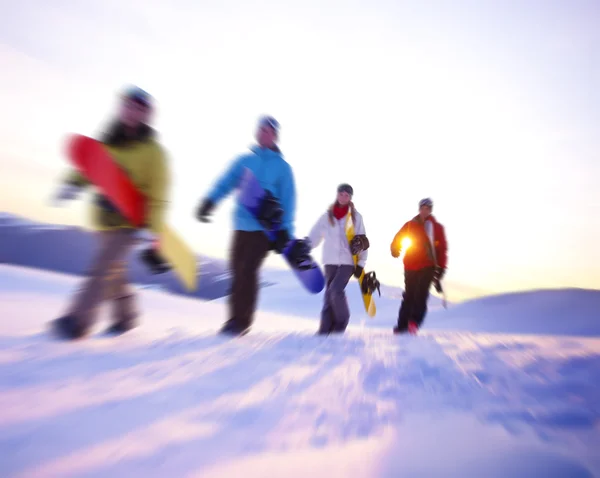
(491, 108)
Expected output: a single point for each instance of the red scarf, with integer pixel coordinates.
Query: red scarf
(340, 211)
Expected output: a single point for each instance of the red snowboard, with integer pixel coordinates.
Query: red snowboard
(96, 164)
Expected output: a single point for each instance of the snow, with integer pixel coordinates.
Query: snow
(550, 312)
(9, 220)
(171, 398)
(27, 225)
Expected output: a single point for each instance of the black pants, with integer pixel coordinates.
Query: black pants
(249, 250)
(414, 299)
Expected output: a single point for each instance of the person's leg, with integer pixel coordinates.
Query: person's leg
(83, 310)
(423, 283)
(408, 296)
(237, 283)
(125, 312)
(326, 324)
(339, 302)
(248, 253)
(257, 252)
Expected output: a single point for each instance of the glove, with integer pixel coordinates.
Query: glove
(395, 252)
(270, 213)
(149, 252)
(65, 193)
(358, 270)
(358, 244)
(205, 210)
(438, 274)
(281, 239)
(299, 254)
(154, 260)
(437, 285)
(144, 240)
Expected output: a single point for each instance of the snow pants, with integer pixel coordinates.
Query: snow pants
(106, 280)
(335, 314)
(415, 296)
(249, 250)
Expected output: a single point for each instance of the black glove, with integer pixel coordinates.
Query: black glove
(281, 239)
(154, 260)
(205, 210)
(438, 274)
(358, 270)
(299, 254)
(270, 213)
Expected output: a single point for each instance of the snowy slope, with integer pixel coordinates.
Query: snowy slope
(173, 399)
(69, 250)
(551, 312)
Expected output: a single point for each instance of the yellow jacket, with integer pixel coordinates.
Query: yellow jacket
(146, 166)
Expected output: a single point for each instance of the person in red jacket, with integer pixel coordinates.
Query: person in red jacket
(425, 258)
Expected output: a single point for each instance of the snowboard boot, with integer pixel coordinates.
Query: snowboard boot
(68, 327)
(125, 316)
(121, 327)
(232, 329)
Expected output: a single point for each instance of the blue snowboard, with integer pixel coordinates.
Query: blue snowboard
(251, 195)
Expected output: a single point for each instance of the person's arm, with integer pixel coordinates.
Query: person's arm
(317, 233)
(69, 188)
(396, 245)
(222, 187)
(441, 249)
(74, 178)
(157, 193)
(228, 181)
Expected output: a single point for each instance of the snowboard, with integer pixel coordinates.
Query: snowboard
(93, 160)
(251, 195)
(368, 300)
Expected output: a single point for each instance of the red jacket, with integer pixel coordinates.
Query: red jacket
(420, 253)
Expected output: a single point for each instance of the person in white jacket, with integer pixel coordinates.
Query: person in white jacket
(337, 258)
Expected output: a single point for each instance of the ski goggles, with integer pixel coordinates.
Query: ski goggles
(345, 188)
(271, 122)
(138, 95)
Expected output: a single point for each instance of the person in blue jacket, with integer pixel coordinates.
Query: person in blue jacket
(250, 244)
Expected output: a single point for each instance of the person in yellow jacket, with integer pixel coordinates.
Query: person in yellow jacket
(133, 144)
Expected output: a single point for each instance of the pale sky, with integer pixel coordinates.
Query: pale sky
(492, 108)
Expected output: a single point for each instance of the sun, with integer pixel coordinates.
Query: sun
(406, 242)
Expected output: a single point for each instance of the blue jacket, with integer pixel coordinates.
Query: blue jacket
(273, 173)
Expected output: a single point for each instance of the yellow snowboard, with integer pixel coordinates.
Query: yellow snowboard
(368, 297)
(180, 256)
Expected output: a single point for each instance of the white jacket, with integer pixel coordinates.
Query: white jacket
(336, 249)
